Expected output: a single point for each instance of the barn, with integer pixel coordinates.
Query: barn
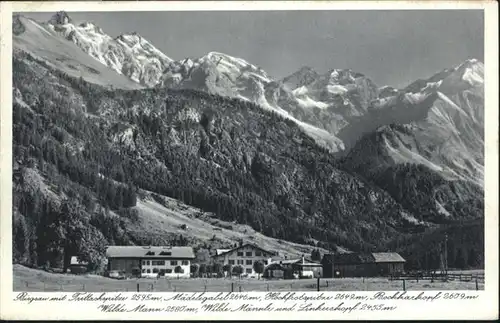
(362, 264)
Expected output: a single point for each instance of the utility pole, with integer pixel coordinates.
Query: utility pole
(446, 253)
(427, 262)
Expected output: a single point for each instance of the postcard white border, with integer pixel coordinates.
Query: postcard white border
(486, 307)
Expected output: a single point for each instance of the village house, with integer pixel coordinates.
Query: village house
(245, 256)
(77, 266)
(297, 267)
(362, 264)
(150, 261)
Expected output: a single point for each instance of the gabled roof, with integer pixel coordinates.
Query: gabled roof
(362, 258)
(353, 258)
(292, 261)
(243, 246)
(388, 257)
(162, 252)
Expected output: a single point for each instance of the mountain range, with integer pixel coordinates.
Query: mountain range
(324, 159)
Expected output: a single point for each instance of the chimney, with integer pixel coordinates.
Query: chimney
(303, 260)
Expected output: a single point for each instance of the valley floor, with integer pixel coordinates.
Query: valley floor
(27, 279)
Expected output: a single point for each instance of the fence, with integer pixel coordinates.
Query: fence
(477, 278)
(99, 284)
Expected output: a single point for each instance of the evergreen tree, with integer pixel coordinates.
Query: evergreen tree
(258, 267)
(316, 255)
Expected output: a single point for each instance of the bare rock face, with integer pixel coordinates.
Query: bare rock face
(60, 18)
(127, 54)
(17, 26)
(303, 77)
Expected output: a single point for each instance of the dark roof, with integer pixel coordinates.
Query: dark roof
(291, 261)
(274, 266)
(308, 264)
(163, 252)
(242, 246)
(362, 258)
(353, 258)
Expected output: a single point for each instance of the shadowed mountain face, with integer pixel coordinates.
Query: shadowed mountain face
(431, 158)
(443, 128)
(323, 159)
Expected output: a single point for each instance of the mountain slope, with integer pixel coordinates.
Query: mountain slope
(224, 156)
(137, 59)
(302, 77)
(432, 160)
(328, 101)
(229, 76)
(128, 54)
(442, 127)
(34, 38)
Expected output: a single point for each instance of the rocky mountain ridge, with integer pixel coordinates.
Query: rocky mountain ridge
(127, 54)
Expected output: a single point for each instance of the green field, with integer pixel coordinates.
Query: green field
(27, 279)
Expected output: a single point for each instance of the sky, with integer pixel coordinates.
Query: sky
(391, 47)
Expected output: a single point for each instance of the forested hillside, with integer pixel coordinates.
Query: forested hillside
(420, 189)
(464, 246)
(448, 205)
(78, 142)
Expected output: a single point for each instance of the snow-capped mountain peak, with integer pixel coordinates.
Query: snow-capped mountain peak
(132, 38)
(236, 65)
(128, 54)
(56, 45)
(387, 91)
(472, 71)
(141, 46)
(447, 112)
(91, 27)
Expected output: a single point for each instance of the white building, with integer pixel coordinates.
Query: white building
(301, 268)
(151, 261)
(245, 256)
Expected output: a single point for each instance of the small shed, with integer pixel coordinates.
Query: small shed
(274, 270)
(77, 266)
(388, 263)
